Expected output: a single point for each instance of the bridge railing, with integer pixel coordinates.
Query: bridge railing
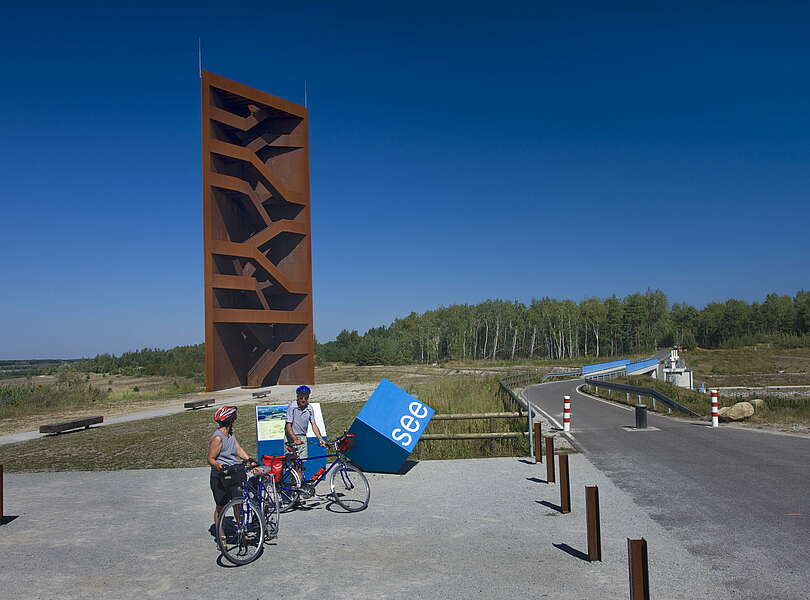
(644, 392)
(608, 375)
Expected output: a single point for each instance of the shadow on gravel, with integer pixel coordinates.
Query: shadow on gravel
(550, 505)
(572, 551)
(7, 519)
(536, 480)
(224, 564)
(526, 462)
(407, 466)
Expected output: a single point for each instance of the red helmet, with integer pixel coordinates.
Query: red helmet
(224, 413)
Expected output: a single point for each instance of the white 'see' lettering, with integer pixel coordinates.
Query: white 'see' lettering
(400, 436)
(410, 423)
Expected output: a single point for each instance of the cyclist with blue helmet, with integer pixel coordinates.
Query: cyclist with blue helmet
(299, 417)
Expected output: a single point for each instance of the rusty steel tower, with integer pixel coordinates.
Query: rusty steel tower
(257, 250)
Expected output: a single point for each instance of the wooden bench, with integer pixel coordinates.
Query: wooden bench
(260, 394)
(195, 404)
(67, 425)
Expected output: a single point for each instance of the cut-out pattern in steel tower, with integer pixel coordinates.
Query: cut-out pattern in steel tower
(256, 220)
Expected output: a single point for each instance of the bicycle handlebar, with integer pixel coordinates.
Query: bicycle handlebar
(293, 448)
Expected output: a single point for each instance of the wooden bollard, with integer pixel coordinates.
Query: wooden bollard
(592, 520)
(565, 486)
(550, 476)
(538, 444)
(637, 566)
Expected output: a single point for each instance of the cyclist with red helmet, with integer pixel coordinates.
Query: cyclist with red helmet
(224, 450)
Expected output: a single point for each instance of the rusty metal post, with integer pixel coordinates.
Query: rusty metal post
(637, 565)
(538, 444)
(550, 476)
(592, 519)
(565, 485)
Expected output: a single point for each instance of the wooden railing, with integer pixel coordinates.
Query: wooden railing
(478, 435)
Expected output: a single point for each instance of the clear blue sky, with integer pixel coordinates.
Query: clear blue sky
(459, 152)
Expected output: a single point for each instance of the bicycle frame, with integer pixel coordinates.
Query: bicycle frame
(258, 490)
(298, 463)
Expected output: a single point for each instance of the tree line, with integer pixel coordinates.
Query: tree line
(547, 328)
(181, 361)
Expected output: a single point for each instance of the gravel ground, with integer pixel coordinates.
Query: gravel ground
(483, 528)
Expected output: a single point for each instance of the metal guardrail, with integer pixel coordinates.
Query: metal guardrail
(642, 391)
(524, 379)
(548, 376)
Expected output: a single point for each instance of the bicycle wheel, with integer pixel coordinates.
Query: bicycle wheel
(240, 531)
(349, 487)
(289, 489)
(272, 508)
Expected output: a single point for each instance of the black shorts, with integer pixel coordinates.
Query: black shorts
(223, 494)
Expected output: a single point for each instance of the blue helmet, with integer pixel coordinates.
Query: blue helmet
(302, 389)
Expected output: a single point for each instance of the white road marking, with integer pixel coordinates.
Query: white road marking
(608, 402)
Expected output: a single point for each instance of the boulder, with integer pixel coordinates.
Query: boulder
(758, 403)
(738, 412)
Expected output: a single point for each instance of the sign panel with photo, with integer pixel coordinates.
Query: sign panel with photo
(270, 422)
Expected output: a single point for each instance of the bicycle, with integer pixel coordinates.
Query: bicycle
(349, 486)
(255, 515)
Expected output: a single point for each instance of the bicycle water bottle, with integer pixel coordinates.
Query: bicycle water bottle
(318, 473)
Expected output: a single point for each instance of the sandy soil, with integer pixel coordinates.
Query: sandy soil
(792, 428)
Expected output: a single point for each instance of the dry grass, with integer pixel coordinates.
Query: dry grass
(25, 406)
(467, 395)
(406, 374)
(178, 440)
(752, 366)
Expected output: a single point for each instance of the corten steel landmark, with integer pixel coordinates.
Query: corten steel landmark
(258, 263)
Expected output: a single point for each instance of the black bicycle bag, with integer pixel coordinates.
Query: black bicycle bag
(233, 475)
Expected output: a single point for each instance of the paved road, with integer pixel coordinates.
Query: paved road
(739, 499)
(447, 529)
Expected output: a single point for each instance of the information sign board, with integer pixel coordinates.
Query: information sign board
(270, 420)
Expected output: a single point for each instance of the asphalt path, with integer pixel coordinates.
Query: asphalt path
(738, 499)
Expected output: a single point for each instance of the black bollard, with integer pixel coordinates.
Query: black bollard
(641, 416)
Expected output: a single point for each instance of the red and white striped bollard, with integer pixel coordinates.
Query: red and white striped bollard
(566, 413)
(715, 410)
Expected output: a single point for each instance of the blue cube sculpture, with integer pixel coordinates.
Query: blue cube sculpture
(387, 429)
